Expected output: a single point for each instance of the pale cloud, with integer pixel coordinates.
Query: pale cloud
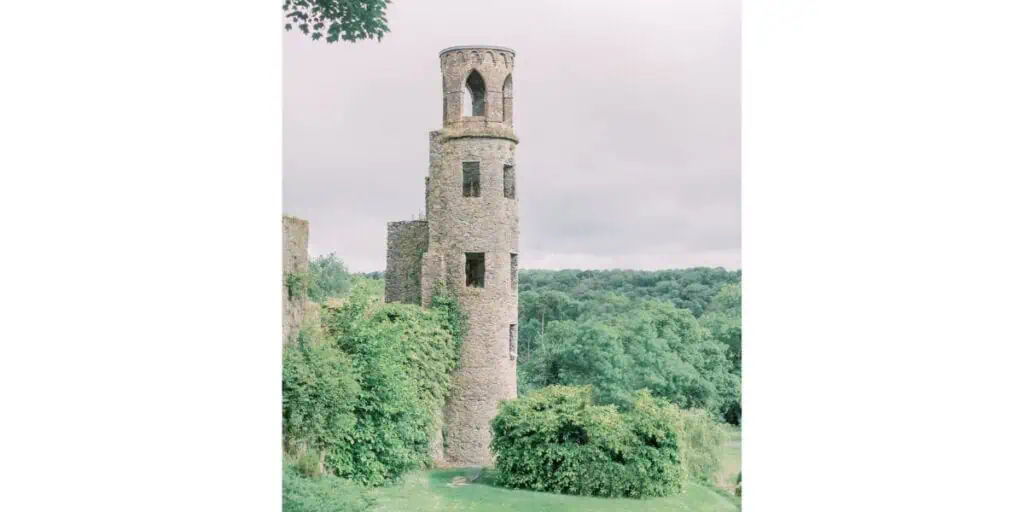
(629, 119)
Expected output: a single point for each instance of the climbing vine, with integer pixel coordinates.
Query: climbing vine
(298, 284)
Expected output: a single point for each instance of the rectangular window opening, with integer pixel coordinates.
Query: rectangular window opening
(510, 182)
(470, 179)
(515, 270)
(475, 269)
(513, 348)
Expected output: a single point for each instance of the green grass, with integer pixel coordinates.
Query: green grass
(430, 491)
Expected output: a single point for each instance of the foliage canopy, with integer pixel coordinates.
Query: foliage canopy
(674, 332)
(328, 278)
(655, 346)
(334, 20)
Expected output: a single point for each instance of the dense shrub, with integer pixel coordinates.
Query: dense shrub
(402, 357)
(702, 444)
(319, 392)
(557, 440)
(321, 494)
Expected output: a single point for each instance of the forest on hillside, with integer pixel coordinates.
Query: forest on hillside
(675, 332)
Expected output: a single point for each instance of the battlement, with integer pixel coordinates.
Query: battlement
(477, 82)
(478, 47)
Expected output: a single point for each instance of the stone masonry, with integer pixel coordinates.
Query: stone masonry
(294, 259)
(407, 241)
(469, 241)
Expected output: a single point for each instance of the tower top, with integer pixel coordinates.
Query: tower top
(477, 86)
(477, 47)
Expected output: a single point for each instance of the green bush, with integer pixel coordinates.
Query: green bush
(557, 440)
(321, 494)
(328, 278)
(702, 444)
(402, 357)
(319, 391)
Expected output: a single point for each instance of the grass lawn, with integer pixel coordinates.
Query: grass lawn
(430, 491)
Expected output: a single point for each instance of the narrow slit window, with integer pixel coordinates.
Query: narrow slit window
(510, 182)
(515, 269)
(513, 343)
(470, 179)
(475, 269)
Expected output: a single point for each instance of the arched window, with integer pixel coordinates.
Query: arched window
(474, 95)
(506, 100)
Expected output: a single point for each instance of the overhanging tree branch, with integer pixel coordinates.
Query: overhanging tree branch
(337, 20)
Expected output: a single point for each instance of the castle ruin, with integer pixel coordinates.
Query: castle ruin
(294, 260)
(469, 241)
(296, 310)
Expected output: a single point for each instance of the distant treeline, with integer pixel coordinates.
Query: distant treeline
(675, 332)
(691, 288)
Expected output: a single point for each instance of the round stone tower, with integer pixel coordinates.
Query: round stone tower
(473, 239)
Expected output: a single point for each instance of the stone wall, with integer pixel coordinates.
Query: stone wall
(407, 242)
(294, 259)
(487, 224)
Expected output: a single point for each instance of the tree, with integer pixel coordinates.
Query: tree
(345, 20)
(653, 346)
(723, 319)
(329, 278)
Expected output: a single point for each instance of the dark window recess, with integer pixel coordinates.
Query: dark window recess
(513, 347)
(470, 179)
(510, 182)
(477, 93)
(515, 269)
(506, 101)
(475, 269)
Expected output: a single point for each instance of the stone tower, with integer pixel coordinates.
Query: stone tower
(469, 241)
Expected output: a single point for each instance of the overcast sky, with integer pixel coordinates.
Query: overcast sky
(628, 115)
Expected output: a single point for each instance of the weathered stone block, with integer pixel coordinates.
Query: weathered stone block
(407, 242)
(294, 260)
